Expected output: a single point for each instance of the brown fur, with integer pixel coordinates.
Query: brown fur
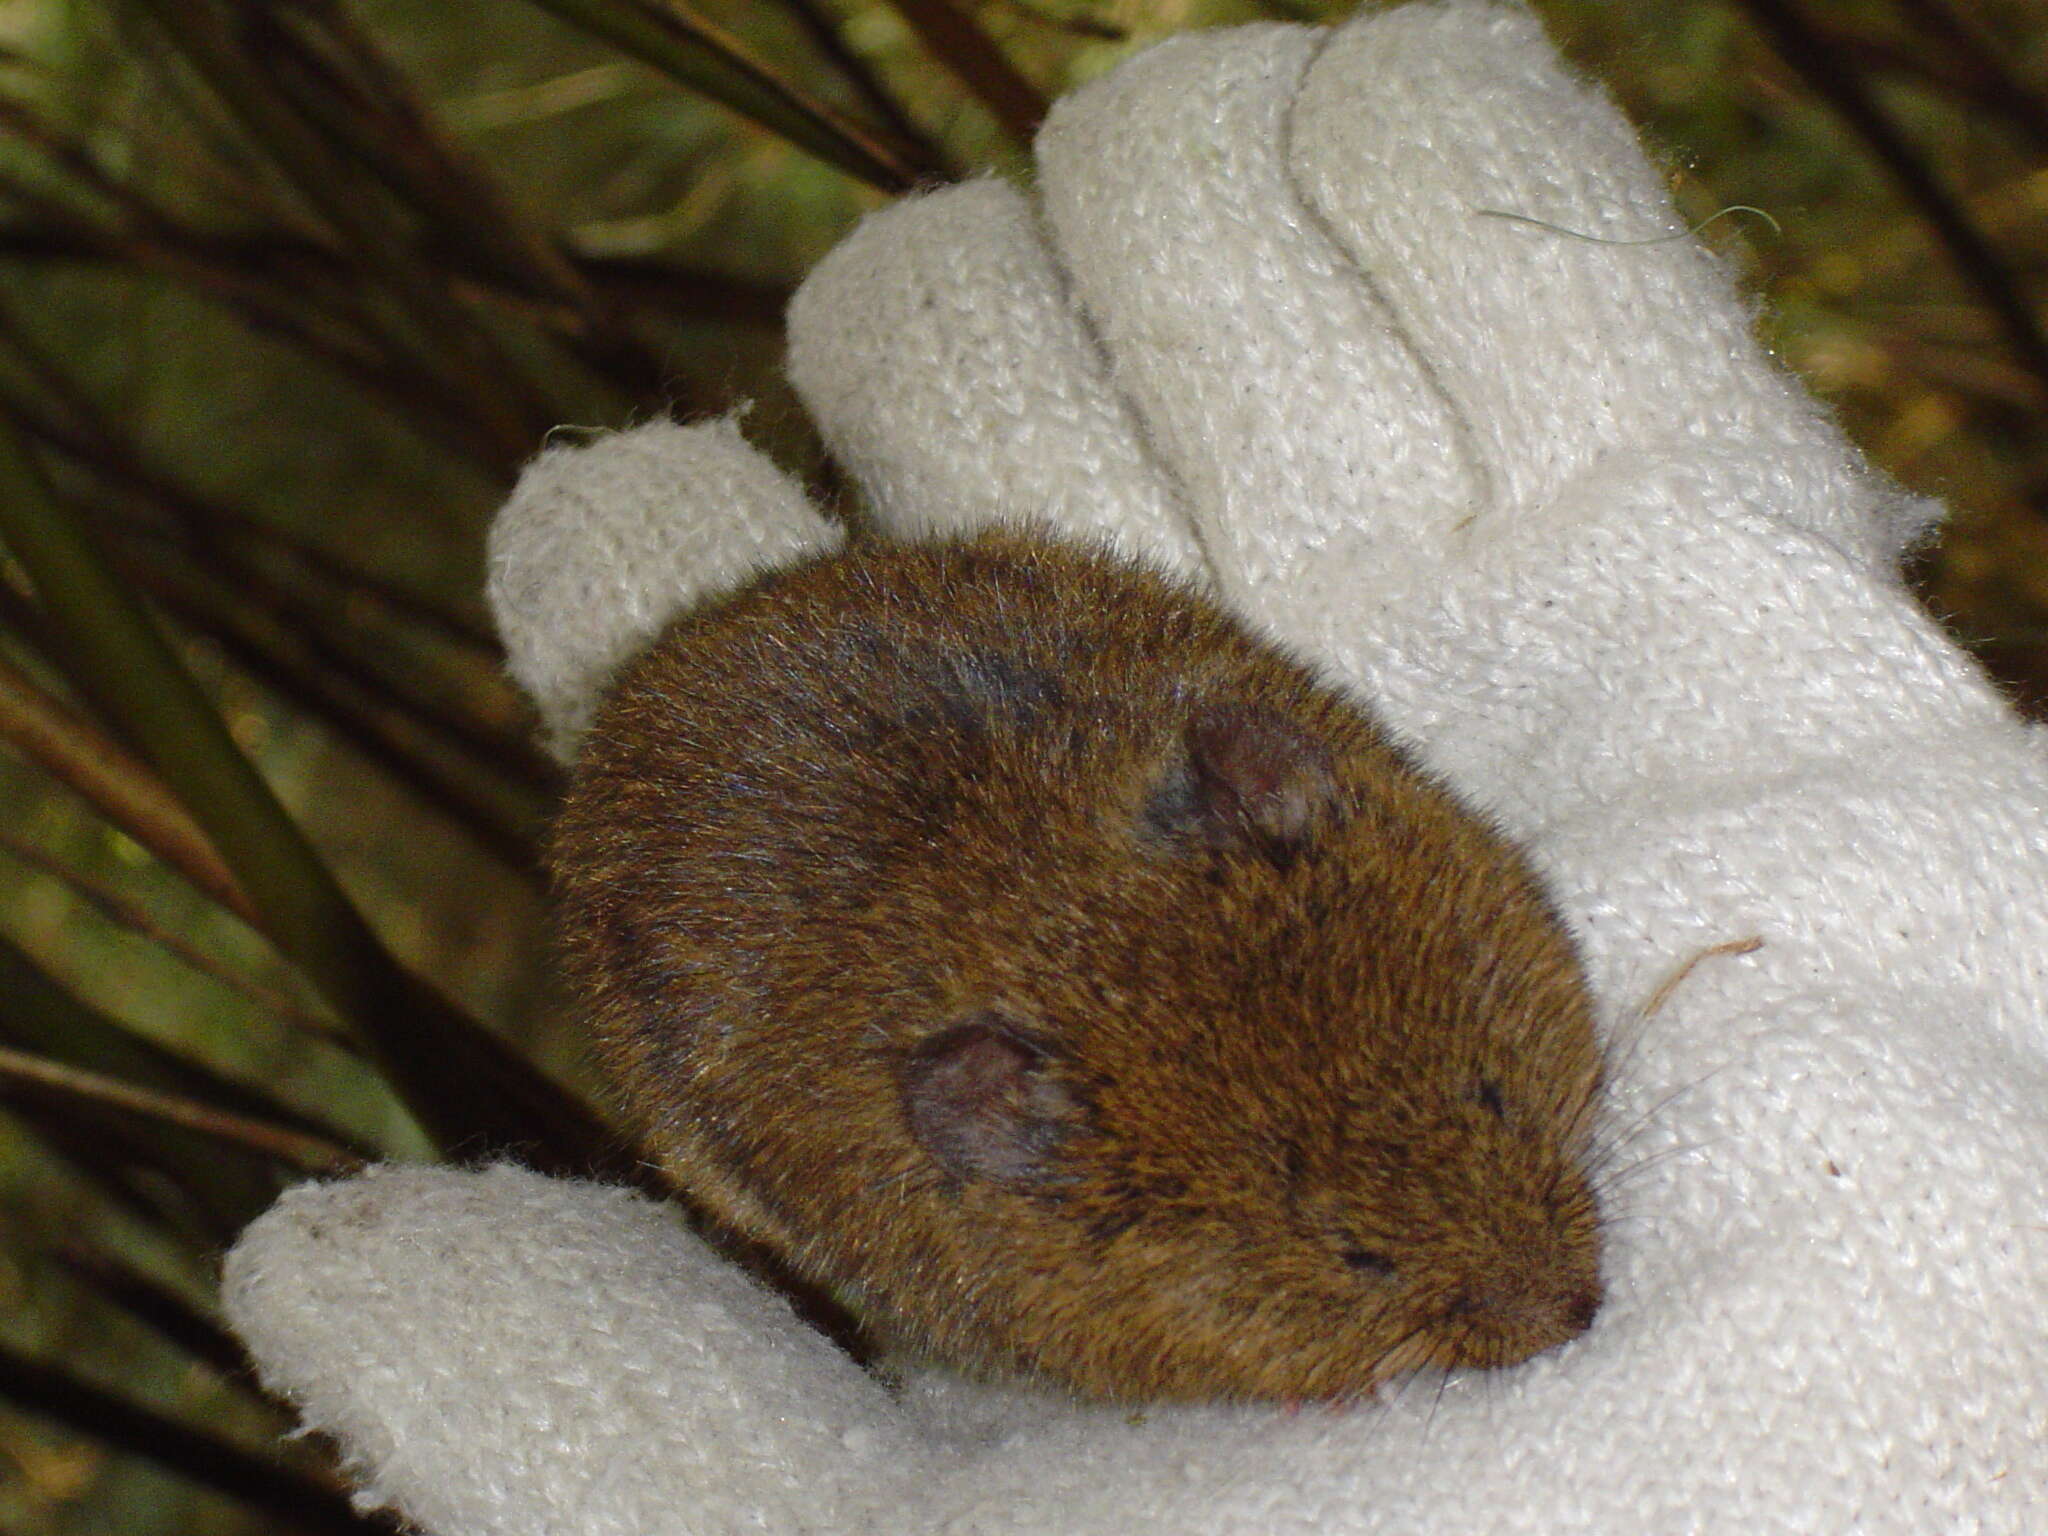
(1076, 986)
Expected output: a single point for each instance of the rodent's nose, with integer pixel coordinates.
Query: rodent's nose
(1580, 1311)
(1505, 1317)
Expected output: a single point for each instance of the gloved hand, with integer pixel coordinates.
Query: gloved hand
(1544, 502)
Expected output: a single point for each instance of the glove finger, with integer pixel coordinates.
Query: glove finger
(497, 1351)
(1308, 439)
(941, 360)
(1414, 129)
(600, 545)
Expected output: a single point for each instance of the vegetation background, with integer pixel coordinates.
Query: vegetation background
(288, 291)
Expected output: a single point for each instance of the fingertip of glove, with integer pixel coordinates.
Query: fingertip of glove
(1164, 90)
(915, 256)
(602, 542)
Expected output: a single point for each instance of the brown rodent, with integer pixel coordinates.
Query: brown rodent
(1076, 987)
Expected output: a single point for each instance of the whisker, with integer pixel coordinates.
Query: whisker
(1436, 1401)
(1642, 1165)
(1611, 1147)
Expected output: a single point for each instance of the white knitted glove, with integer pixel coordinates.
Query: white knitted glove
(1544, 502)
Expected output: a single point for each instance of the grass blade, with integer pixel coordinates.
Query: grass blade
(336, 76)
(293, 1498)
(132, 917)
(466, 1088)
(708, 62)
(55, 409)
(45, 1019)
(78, 754)
(419, 751)
(453, 347)
(201, 1189)
(823, 32)
(957, 41)
(159, 1308)
(280, 1144)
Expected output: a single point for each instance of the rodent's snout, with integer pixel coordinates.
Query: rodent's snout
(1527, 1299)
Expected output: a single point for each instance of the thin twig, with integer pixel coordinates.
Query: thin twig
(117, 784)
(136, 919)
(296, 1149)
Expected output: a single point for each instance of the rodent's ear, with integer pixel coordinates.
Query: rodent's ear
(982, 1099)
(1244, 774)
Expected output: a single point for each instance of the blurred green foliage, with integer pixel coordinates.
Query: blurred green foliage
(288, 288)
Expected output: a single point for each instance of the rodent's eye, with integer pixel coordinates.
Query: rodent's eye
(1368, 1262)
(1486, 1093)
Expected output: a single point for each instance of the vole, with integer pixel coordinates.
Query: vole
(1076, 986)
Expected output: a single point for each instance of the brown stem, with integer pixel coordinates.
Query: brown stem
(295, 1149)
(132, 916)
(71, 749)
(867, 85)
(958, 41)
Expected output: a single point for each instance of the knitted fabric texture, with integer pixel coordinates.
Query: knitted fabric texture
(1543, 502)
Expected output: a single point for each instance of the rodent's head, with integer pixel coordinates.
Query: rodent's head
(1327, 1124)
